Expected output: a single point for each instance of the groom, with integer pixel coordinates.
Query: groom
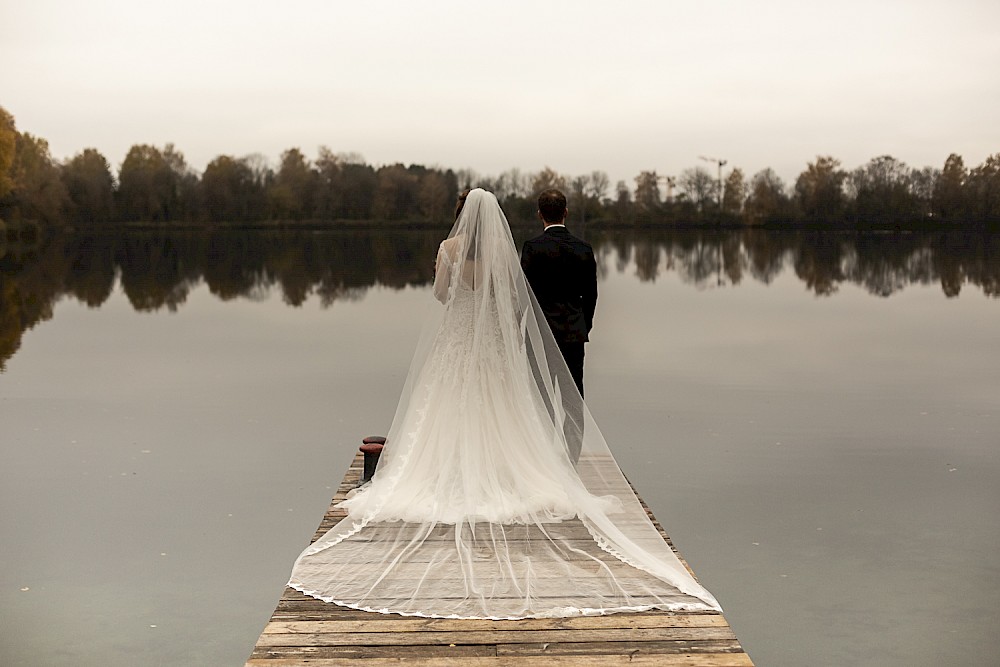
(562, 272)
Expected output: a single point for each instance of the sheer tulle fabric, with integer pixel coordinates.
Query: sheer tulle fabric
(496, 495)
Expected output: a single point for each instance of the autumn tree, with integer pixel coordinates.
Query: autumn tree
(767, 200)
(292, 193)
(647, 191)
(819, 190)
(229, 191)
(329, 194)
(396, 193)
(881, 191)
(155, 185)
(345, 186)
(623, 201)
(144, 183)
(983, 189)
(37, 189)
(8, 145)
(734, 192)
(185, 202)
(90, 187)
(547, 179)
(922, 184)
(436, 194)
(358, 182)
(949, 200)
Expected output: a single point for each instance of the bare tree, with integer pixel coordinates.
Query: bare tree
(578, 196)
(598, 187)
(467, 178)
(699, 186)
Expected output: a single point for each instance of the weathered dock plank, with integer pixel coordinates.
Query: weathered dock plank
(592, 660)
(305, 631)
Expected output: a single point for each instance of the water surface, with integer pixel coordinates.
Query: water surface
(815, 418)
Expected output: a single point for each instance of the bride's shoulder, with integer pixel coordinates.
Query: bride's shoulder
(451, 246)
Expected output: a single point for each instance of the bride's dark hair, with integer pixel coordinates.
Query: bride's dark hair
(460, 204)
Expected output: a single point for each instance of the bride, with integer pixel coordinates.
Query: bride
(478, 508)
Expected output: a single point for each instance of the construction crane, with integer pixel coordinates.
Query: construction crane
(721, 164)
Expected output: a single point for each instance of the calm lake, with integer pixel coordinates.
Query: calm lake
(814, 418)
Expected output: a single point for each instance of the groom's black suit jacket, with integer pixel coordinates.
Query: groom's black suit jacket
(562, 272)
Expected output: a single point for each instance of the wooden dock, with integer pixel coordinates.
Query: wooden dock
(306, 631)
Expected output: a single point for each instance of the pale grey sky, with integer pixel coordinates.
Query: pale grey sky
(621, 86)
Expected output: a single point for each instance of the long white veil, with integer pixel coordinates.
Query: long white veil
(496, 495)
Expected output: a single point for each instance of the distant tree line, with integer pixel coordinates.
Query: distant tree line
(159, 269)
(156, 185)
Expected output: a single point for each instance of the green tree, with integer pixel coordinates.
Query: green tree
(819, 190)
(90, 187)
(734, 192)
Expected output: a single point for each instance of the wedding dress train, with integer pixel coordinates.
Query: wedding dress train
(479, 507)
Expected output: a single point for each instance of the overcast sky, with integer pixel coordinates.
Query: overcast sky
(618, 86)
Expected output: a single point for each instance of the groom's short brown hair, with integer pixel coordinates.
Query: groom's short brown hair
(552, 205)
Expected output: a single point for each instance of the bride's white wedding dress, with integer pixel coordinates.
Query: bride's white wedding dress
(477, 508)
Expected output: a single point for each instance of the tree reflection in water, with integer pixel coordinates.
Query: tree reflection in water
(157, 270)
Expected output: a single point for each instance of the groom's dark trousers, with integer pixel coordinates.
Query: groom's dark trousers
(562, 272)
